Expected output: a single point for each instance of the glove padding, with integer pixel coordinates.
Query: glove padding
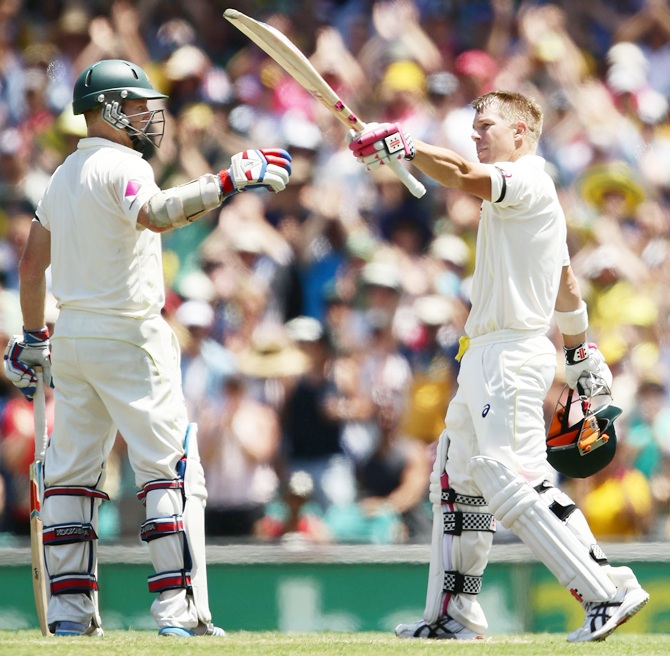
(23, 354)
(379, 143)
(250, 169)
(586, 369)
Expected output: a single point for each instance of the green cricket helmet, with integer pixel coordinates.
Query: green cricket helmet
(106, 85)
(581, 439)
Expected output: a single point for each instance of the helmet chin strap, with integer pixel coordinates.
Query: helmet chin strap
(142, 144)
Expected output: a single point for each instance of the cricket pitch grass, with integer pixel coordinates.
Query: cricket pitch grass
(243, 643)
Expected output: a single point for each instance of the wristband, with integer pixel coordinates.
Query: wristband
(576, 354)
(32, 337)
(228, 188)
(573, 322)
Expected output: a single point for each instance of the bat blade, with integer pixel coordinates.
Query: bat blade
(37, 548)
(36, 487)
(293, 61)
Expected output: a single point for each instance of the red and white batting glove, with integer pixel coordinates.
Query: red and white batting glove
(23, 354)
(250, 169)
(586, 369)
(379, 143)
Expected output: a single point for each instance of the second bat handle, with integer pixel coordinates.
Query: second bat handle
(415, 187)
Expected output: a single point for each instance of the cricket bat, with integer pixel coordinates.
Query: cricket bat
(294, 62)
(36, 489)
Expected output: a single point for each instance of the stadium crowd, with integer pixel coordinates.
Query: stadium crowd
(319, 326)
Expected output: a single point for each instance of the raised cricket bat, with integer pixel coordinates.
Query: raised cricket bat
(36, 489)
(294, 62)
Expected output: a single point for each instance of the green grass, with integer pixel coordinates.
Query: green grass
(242, 643)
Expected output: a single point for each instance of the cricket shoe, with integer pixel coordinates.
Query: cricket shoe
(602, 617)
(67, 628)
(446, 628)
(200, 630)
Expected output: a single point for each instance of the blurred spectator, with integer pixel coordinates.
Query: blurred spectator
(316, 407)
(17, 451)
(392, 483)
(294, 518)
(617, 501)
(239, 440)
(205, 363)
(649, 426)
(431, 358)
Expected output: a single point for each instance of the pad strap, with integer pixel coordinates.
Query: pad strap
(457, 583)
(449, 495)
(72, 583)
(169, 581)
(160, 484)
(159, 527)
(598, 555)
(68, 533)
(456, 522)
(75, 491)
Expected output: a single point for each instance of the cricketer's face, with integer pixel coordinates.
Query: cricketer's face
(495, 138)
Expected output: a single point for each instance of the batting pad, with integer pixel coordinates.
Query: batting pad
(195, 494)
(434, 593)
(518, 507)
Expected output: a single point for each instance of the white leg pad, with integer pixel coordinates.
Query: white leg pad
(194, 522)
(434, 592)
(518, 507)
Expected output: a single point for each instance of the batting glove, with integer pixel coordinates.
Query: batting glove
(265, 167)
(586, 369)
(25, 353)
(379, 143)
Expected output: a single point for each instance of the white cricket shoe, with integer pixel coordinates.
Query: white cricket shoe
(446, 628)
(200, 630)
(603, 617)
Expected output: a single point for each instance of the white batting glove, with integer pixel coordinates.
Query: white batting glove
(379, 143)
(23, 354)
(585, 366)
(250, 169)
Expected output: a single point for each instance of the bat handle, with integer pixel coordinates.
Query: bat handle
(40, 416)
(415, 187)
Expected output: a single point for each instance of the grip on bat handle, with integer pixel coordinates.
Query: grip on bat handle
(415, 187)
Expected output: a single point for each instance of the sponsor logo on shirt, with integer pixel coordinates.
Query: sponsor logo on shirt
(132, 188)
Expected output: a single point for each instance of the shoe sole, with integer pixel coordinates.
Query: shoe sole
(445, 635)
(606, 631)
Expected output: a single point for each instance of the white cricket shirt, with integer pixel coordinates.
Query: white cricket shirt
(521, 249)
(101, 260)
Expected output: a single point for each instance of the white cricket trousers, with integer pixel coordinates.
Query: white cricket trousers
(115, 373)
(109, 373)
(496, 412)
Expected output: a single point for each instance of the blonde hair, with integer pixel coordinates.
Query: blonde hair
(513, 107)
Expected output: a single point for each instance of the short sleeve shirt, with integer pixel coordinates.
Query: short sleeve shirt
(101, 260)
(521, 249)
